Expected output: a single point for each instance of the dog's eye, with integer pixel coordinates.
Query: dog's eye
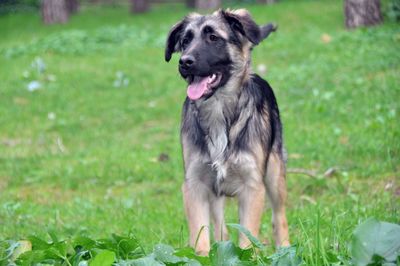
(185, 42)
(213, 38)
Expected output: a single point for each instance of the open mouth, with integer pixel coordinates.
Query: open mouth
(200, 86)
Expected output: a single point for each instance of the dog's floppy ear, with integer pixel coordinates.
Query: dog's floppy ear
(241, 21)
(267, 29)
(173, 38)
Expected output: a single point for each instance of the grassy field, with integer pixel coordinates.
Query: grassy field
(95, 150)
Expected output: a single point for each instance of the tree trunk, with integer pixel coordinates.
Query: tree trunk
(268, 2)
(72, 6)
(207, 4)
(54, 11)
(362, 13)
(191, 3)
(139, 6)
(103, 2)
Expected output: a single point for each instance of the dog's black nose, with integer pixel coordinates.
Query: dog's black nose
(186, 61)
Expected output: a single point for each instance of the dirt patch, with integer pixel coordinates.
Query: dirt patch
(45, 194)
(4, 180)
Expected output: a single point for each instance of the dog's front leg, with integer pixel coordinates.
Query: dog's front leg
(251, 207)
(197, 207)
(217, 211)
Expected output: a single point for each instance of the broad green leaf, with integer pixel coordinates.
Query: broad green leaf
(59, 249)
(225, 253)
(247, 254)
(43, 252)
(247, 233)
(193, 263)
(83, 242)
(146, 261)
(189, 253)
(372, 240)
(33, 257)
(110, 244)
(165, 253)
(80, 258)
(128, 247)
(53, 236)
(286, 256)
(104, 258)
(38, 243)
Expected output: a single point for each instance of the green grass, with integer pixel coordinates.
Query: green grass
(94, 169)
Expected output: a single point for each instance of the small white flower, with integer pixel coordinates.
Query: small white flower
(359, 81)
(337, 131)
(51, 116)
(26, 74)
(34, 85)
(83, 263)
(392, 113)
(117, 83)
(262, 68)
(121, 80)
(51, 77)
(380, 119)
(119, 74)
(39, 65)
(328, 95)
(152, 104)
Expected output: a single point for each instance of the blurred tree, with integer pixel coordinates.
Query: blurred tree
(106, 2)
(362, 13)
(54, 11)
(207, 4)
(267, 1)
(393, 11)
(72, 6)
(191, 3)
(140, 6)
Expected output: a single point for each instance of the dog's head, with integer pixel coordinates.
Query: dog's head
(214, 48)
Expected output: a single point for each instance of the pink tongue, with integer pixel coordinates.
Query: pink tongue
(197, 88)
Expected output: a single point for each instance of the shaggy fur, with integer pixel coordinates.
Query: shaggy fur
(232, 135)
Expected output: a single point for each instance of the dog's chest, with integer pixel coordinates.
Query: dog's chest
(240, 172)
(214, 119)
(232, 166)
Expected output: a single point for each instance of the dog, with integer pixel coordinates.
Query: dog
(231, 133)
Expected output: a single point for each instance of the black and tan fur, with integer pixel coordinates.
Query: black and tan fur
(232, 135)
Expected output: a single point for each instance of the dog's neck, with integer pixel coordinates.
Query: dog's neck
(220, 107)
